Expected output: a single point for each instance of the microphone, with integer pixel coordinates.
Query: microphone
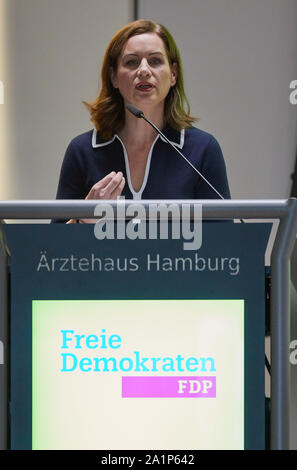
(139, 114)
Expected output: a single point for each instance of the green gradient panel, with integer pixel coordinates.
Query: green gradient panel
(84, 409)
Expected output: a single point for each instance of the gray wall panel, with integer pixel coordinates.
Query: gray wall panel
(239, 59)
(54, 51)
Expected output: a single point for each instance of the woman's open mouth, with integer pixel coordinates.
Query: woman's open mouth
(144, 86)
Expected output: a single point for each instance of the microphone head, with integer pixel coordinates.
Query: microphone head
(137, 112)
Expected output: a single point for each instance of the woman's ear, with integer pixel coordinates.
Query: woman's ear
(113, 78)
(173, 73)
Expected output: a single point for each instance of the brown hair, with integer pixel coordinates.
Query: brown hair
(108, 112)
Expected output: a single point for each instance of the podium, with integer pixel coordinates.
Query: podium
(143, 336)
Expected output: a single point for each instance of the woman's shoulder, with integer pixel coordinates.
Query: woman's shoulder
(201, 142)
(199, 136)
(82, 140)
(192, 136)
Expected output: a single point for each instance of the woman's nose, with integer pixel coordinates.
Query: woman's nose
(144, 69)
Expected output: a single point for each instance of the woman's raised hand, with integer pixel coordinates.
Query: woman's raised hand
(109, 187)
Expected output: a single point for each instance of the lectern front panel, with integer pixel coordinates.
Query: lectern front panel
(137, 344)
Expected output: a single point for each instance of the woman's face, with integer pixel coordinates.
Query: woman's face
(144, 76)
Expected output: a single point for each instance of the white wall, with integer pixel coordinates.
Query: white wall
(54, 50)
(239, 58)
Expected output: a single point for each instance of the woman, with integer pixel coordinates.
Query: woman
(123, 155)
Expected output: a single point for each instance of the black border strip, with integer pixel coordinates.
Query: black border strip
(135, 10)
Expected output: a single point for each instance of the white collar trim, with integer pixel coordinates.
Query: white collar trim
(137, 194)
(103, 144)
(94, 140)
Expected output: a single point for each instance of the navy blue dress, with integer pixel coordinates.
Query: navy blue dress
(89, 159)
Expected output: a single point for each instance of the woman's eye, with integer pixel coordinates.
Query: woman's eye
(132, 62)
(155, 61)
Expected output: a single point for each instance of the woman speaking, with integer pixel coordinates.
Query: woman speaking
(124, 155)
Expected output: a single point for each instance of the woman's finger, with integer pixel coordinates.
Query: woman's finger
(106, 192)
(94, 191)
(118, 191)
